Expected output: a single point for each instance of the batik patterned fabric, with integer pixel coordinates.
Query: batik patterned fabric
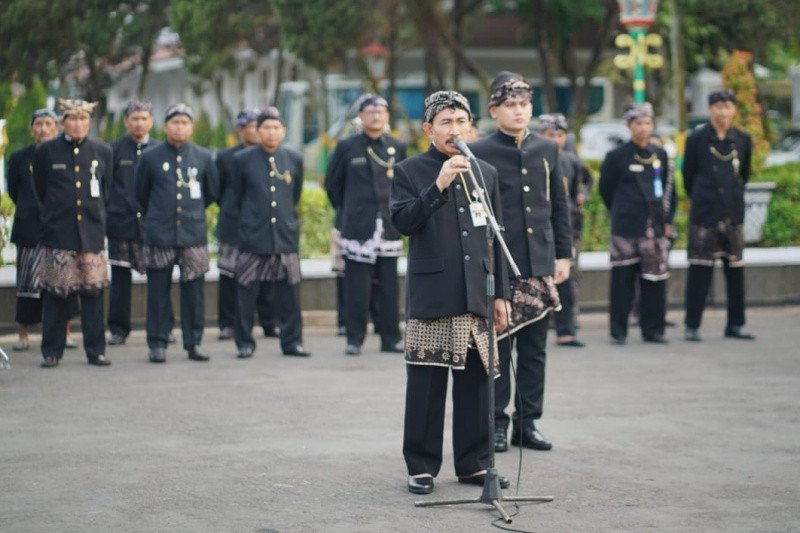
(337, 254)
(65, 272)
(708, 243)
(531, 300)
(373, 248)
(251, 268)
(444, 341)
(126, 253)
(29, 260)
(192, 260)
(441, 100)
(651, 252)
(226, 262)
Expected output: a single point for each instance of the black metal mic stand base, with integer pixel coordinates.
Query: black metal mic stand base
(492, 495)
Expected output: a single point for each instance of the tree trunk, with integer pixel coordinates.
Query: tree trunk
(545, 56)
(146, 53)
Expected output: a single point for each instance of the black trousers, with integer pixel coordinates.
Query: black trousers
(56, 312)
(531, 342)
(28, 310)
(358, 286)
(423, 435)
(565, 319)
(652, 302)
(227, 303)
(341, 310)
(698, 282)
(287, 304)
(119, 302)
(159, 309)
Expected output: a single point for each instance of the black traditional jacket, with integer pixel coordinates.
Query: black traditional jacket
(534, 203)
(714, 175)
(266, 190)
(358, 185)
(448, 256)
(228, 223)
(71, 180)
(27, 228)
(629, 190)
(171, 217)
(577, 180)
(123, 209)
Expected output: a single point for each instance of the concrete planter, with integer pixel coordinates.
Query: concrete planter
(756, 206)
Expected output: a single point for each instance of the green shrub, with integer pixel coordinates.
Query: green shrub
(316, 221)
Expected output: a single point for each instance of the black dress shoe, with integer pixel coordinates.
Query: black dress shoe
(245, 352)
(225, 334)
(397, 347)
(198, 353)
(352, 349)
(297, 351)
(99, 360)
(691, 335)
(574, 343)
(116, 339)
(735, 332)
(618, 341)
(655, 339)
(481, 479)
(530, 438)
(271, 332)
(500, 441)
(157, 355)
(49, 362)
(420, 485)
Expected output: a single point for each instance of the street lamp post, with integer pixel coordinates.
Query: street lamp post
(637, 16)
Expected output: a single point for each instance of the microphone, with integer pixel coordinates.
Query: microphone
(464, 149)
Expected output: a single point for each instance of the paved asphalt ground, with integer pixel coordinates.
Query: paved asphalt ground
(683, 437)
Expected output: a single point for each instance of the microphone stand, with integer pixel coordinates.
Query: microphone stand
(492, 493)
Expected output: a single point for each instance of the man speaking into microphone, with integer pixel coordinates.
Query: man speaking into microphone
(434, 202)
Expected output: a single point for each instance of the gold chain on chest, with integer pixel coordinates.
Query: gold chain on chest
(388, 165)
(285, 176)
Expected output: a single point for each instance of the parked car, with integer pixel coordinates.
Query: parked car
(787, 150)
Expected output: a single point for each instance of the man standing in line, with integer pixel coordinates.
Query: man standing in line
(577, 183)
(27, 227)
(358, 179)
(538, 233)
(447, 328)
(715, 170)
(632, 183)
(122, 224)
(175, 182)
(266, 191)
(228, 232)
(71, 174)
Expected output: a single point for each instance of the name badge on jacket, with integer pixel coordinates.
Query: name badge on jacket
(636, 167)
(478, 214)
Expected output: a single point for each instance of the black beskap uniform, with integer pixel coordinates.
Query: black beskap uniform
(537, 230)
(577, 180)
(25, 233)
(629, 190)
(446, 277)
(358, 188)
(715, 184)
(268, 226)
(122, 224)
(72, 219)
(172, 219)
